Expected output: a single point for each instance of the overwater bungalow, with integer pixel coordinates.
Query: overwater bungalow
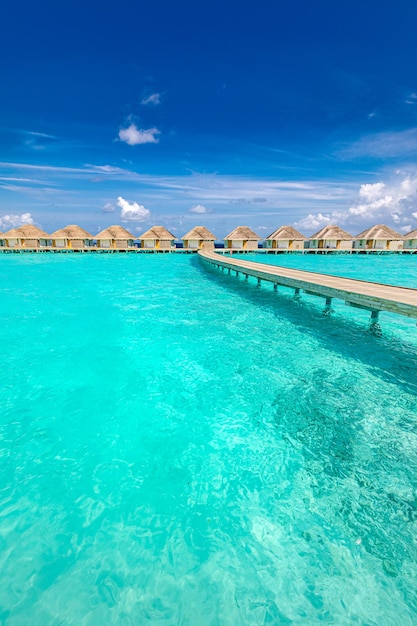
(72, 237)
(115, 238)
(197, 238)
(410, 240)
(285, 238)
(157, 238)
(330, 237)
(242, 238)
(2, 241)
(26, 237)
(378, 237)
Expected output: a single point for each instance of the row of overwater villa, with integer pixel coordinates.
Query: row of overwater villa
(378, 238)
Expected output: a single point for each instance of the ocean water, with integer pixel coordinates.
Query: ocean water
(180, 447)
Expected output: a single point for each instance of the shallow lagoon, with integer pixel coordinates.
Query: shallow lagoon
(179, 447)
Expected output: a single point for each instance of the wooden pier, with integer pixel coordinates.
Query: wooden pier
(373, 297)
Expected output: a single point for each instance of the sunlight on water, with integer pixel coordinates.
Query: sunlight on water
(180, 447)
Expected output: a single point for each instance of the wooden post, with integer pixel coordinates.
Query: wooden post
(374, 327)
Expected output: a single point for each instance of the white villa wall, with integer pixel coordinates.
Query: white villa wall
(396, 244)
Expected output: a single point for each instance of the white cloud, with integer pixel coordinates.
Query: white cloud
(313, 222)
(43, 135)
(15, 179)
(200, 209)
(203, 189)
(371, 191)
(383, 145)
(384, 201)
(106, 169)
(154, 98)
(134, 136)
(13, 221)
(378, 202)
(132, 212)
(108, 208)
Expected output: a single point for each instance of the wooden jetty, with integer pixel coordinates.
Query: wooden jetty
(373, 297)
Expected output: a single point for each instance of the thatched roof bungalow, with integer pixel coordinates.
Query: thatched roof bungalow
(27, 237)
(115, 238)
(410, 240)
(157, 238)
(378, 237)
(330, 237)
(2, 241)
(72, 237)
(242, 238)
(199, 237)
(285, 238)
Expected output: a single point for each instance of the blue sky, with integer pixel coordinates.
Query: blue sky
(185, 113)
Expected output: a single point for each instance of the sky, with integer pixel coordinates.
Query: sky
(218, 114)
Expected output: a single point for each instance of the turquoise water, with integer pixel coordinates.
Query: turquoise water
(179, 447)
(388, 268)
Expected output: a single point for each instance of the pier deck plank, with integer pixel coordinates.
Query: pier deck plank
(361, 293)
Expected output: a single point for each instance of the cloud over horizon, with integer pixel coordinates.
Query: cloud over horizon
(313, 221)
(134, 136)
(200, 209)
(13, 221)
(378, 202)
(216, 198)
(132, 212)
